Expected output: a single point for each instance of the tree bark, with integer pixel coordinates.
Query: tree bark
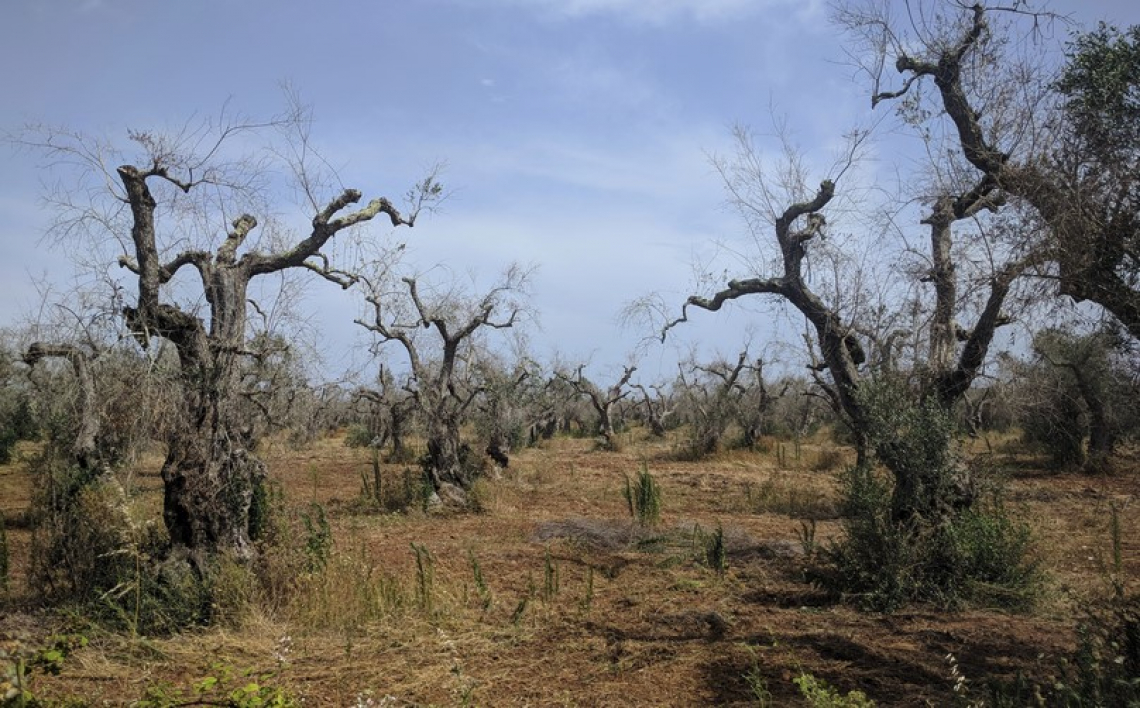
(210, 473)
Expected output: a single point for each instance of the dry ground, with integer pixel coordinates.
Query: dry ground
(579, 606)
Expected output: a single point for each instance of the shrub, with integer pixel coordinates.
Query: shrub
(980, 555)
(819, 694)
(359, 435)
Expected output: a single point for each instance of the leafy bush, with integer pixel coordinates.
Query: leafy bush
(359, 435)
(980, 555)
(924, 532)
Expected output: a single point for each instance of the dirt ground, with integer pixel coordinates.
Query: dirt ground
(552, 595)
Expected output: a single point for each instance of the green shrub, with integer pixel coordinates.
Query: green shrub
(980, 556)
(820, 695)
(924, 532)
(359, 435)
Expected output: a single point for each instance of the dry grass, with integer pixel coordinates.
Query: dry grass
(574, 604)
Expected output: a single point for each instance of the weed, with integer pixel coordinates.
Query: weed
(19, 662)
(757, 684)
(714, 550)
(588, 597)
(481, 588)
(807, 538)
(425, 579)
(780, 494)
(820, 695)
(1105, 669)
(549, 577)
(643, 497)
(520, 610)
(318, 538)
(223, 685)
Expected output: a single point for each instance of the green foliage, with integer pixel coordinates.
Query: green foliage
(915, 440)
(1078, 388)
(924, 533)
(820, 695)
(318, 538)
(20, 662)
(359, 435)
(223, 685)
(643, 497)
(17, 420)
(980, 555)
(266, 510)
(93, 552)
(1100, 84)
(1055, 424)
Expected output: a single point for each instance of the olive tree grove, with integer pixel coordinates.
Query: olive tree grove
(191, 211)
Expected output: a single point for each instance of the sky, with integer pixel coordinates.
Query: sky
(576, 134)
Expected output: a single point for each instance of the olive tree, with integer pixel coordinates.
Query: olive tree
(438, 332)
(602, 401)
(183, 207)
(1065, 144)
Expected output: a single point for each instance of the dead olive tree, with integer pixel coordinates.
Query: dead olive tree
(443, 366)
(391, 414)
(710, 396)
(843, 368)
(657, 409)
(1066, 145)
(183, 204)
(602, 401)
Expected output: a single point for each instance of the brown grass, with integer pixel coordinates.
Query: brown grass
(635, 619)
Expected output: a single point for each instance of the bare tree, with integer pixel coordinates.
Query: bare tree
(393, 413)
(442, 368)
(167, 208)
(602, 401)
(656, 409)
(710, 396)
(84, 448)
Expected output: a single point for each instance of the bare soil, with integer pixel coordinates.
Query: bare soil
(580, 606)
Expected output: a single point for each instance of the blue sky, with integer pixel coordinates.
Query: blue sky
(576, 132)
